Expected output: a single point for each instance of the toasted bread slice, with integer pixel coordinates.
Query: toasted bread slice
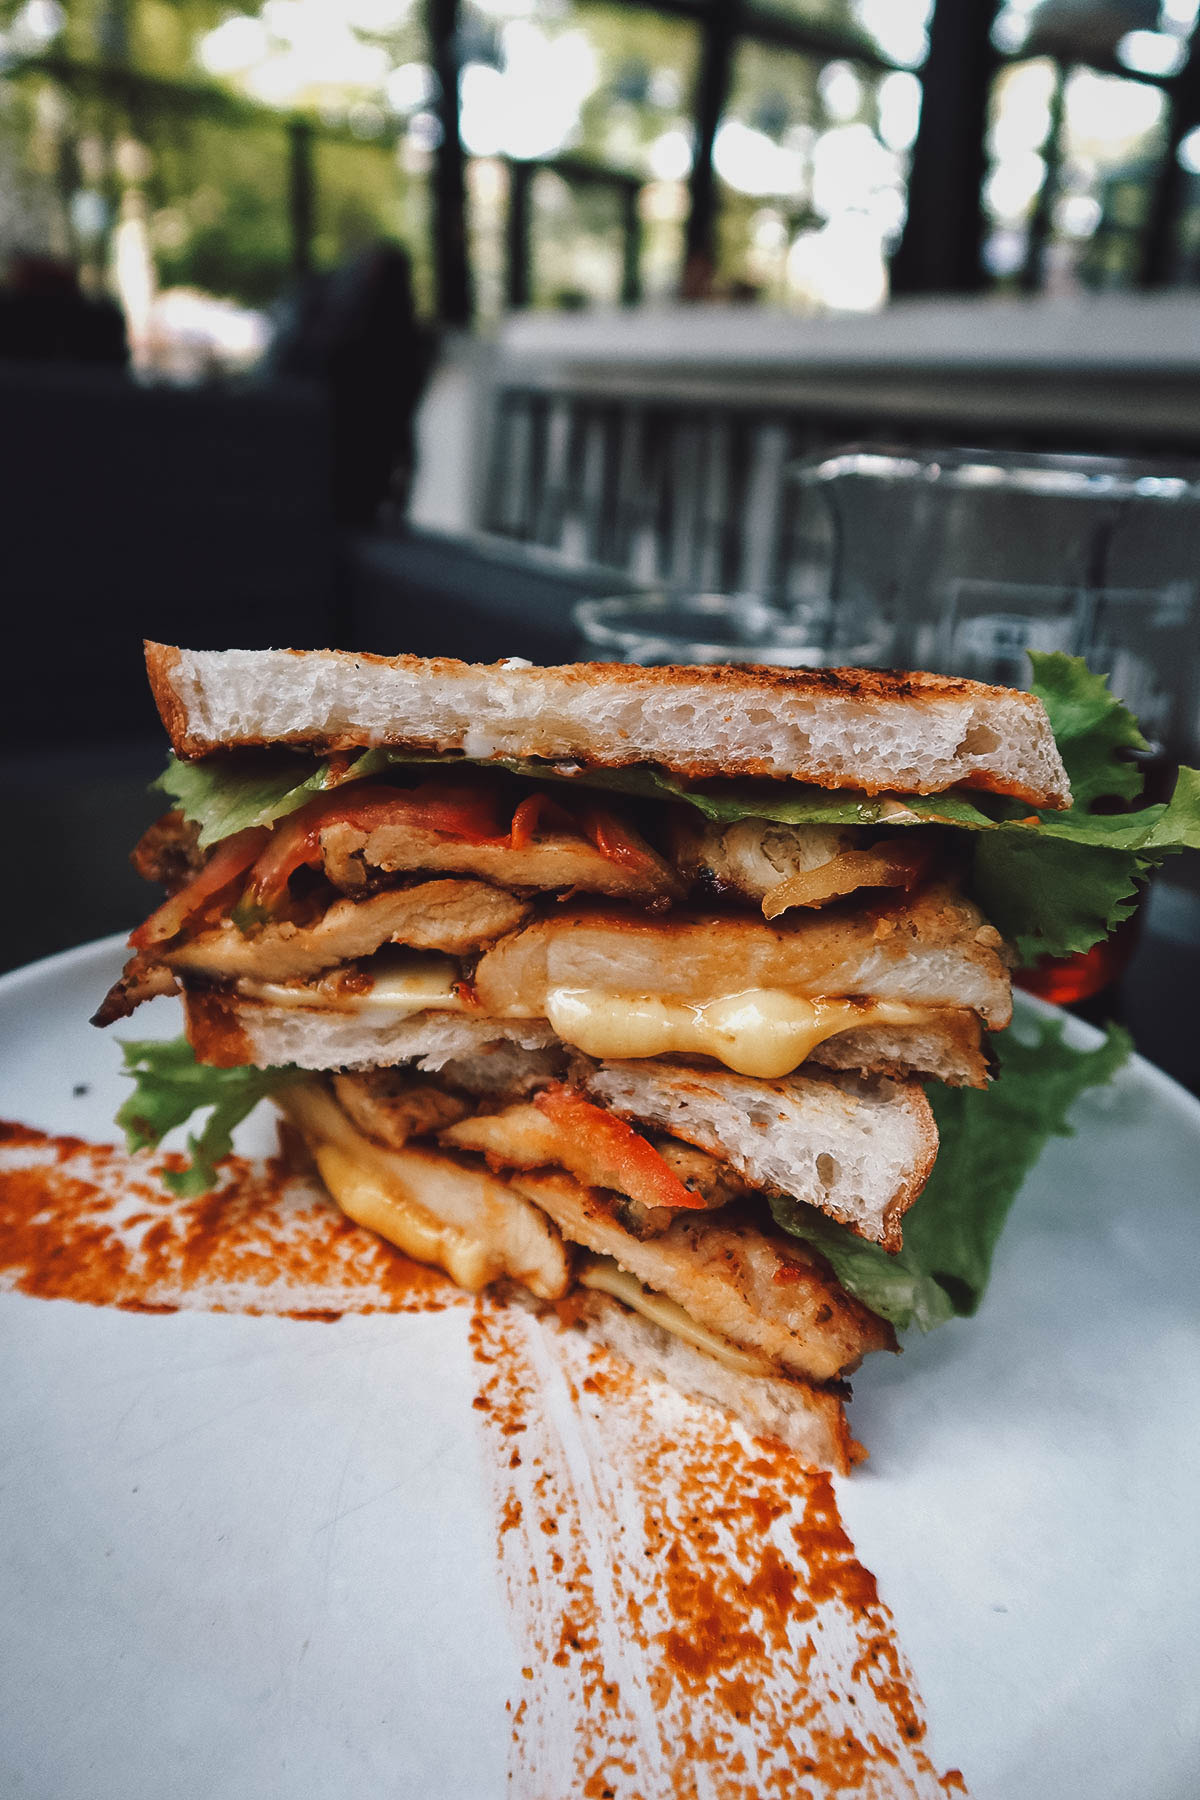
(950, 1046)
(229, 1029)
(858, 1150)
(809, 1419)
(878, 731)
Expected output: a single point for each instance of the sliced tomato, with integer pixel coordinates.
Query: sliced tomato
(622, 1157)
(472, 815)
(229, 860)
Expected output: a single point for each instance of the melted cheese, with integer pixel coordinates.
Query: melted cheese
(608, 1277)
(408, 982)
(365, 1192)
(403, 1221)
(762, 1032)
(437, 1209)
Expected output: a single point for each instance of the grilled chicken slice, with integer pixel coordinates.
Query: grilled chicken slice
(143, 978)
(782, 866)
(393, 1105)
(458, 917)
(354, 857)
(169, 851)
(751, 855)
(502, 1070)
(931, 950)
(706, 1175)
(749, 1285)
(436, 1208)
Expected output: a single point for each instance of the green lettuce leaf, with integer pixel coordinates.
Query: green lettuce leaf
(1090, 726)
(1062, 884)
(990, 1140)
(783, 803)
(899, 1288)
(1050, 898)
(170, 1085)
(227, 793)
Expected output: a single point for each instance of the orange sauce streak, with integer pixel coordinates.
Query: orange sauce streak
(692, 1614)
(711, 1630)
(86, 1222)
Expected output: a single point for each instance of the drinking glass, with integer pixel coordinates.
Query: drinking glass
(968, 558)
(657, 628)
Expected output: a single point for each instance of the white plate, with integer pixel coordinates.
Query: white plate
(249, 1557)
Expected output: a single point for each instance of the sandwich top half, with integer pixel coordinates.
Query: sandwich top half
(477, 906)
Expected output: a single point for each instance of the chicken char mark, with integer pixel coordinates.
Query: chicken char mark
(394, 1105)
(142, 978)
(169, 851)
(458, 918)
(745, 1282)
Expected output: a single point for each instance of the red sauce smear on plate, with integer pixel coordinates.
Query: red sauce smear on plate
(87, 1222)
(692, 1618)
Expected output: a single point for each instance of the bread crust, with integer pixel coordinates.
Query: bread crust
(162, 666)
(163, 661)
(697, 1105)
(214, 1029)
(810, 1419)
(1040, 781)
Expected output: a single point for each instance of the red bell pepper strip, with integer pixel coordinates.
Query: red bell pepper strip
(229, 860)
(616, 840)
(538, 813)
(602, 828)
(625, 1160)
(458, 812)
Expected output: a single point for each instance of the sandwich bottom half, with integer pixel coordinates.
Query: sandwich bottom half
(638, 1202)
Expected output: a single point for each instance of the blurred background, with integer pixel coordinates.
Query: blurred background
(194, 161)
(410, 324)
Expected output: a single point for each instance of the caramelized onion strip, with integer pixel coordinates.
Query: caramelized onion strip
(885, 865)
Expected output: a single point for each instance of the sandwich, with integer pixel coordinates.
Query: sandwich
(638, 995)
